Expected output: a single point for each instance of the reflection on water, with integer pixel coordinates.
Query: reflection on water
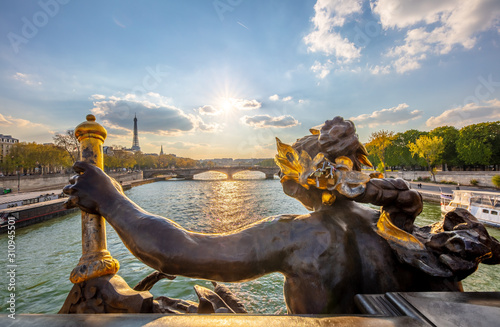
(47, 252)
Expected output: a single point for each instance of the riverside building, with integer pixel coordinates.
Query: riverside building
(6, 142)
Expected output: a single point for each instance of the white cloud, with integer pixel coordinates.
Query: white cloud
(322, 70)
(18, 122)
(392, 116)
(26, 79)
(208, 110)
(265, 121)
(331, 14)
(380, 70)
(471, 113)
(208, 127)
(4, 121)
(97, 97)
(435, 27)
(181, 145)
(154, 116)
(240, 104)
(277, 98)
(400, 14)
(406, 63)
(243, 104)
(25, 129)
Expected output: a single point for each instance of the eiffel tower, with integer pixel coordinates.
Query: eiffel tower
(135, 143)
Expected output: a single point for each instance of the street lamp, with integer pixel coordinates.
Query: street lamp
(19, 178)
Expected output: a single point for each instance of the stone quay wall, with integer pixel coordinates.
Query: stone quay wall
(51, 181)
(461, 177)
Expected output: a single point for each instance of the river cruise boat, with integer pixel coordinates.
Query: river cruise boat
(485, 206)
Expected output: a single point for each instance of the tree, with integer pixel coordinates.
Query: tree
(68, 142)
(496, 180)
(51, 158)
(207, 164)
(474, 152)
(150, 161)
(398, 154)
(478, 144)
(185, 163)
(371, 155)
(9, 163)
(429, 148)
(166, 160)
(119, 159)
(450, 136)
(378, 144)
(267, 163)
(28, 157)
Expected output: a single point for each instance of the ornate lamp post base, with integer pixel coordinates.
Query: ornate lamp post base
(106, 294)
(94, 265)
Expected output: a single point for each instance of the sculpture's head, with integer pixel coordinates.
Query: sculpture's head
(328, 160)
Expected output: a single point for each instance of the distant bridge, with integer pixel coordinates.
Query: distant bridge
(189, 173)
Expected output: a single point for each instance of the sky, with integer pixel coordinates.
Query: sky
(223, 78)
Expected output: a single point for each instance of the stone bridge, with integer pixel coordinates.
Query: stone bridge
(188, 173)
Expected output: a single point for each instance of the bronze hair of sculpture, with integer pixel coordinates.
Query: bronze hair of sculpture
(328, 256)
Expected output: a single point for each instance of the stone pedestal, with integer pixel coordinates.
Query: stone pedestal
(106, 294)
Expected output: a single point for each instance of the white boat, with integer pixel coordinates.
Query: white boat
(485, 206)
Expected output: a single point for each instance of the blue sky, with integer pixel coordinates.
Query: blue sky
(223, 78)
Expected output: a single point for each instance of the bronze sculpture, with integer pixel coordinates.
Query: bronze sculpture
(328, 256)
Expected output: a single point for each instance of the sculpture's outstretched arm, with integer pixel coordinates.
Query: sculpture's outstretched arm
(396, 198)
(164, 245)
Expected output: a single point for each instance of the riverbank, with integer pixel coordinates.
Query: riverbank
(429, 196)
(129, 185)
(31, 183)
(30, 214)
(482, 178)
(431, 192)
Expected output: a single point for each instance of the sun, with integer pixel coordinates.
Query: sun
(226, 104)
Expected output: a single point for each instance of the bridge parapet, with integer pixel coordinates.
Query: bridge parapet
(189, 173)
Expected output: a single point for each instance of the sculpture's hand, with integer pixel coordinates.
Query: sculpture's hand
(396, 198)
(91, 188)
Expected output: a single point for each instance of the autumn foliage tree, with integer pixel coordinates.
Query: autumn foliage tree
(378, 144)
(119, 159)
(30, 157)
(429, 148)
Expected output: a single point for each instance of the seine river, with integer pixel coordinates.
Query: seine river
(46, 253)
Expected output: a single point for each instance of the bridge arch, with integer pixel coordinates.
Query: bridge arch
(189, 173)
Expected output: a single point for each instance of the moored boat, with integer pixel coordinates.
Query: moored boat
(23, 199)
(485, 206)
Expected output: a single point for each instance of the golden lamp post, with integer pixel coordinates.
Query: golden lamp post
(96, 260)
